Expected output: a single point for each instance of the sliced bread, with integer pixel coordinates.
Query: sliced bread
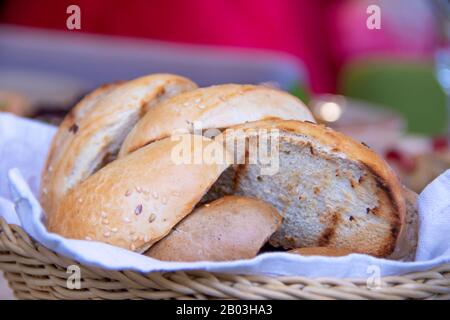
(330, 190)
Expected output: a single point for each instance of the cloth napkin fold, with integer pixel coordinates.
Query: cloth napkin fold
(20, 206)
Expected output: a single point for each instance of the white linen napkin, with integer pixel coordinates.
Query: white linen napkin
(433, 246)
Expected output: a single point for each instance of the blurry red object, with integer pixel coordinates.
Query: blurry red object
(322, 33)
(293, 26)
(401, 160)
(440, 144)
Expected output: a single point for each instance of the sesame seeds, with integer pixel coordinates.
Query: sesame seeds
(103, 214)
(105, 221)
(164, 200)
(45, 191)
(127, 220)
(138, 189)
(106, 234)
(128, 193)
(114, 230)
(80, 200)
(155, 195)
(134, 237)
(152, 218)
(133, 247)
(88, 238)
(138, 209)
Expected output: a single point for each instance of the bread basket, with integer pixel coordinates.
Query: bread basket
(140, 197)
(35, 272)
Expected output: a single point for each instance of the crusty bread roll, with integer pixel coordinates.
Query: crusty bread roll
(215, 107)
(330, 189)
(92, 133)
(321, 251)
(230, 228)
(134, 201)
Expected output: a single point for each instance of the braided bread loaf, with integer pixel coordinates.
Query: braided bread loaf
(117, 173)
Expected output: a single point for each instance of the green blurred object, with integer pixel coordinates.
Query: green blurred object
(301, 92)
(409, 88)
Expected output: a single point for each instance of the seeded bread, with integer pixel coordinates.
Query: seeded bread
(93, 132)
(215, 107)
(330, 190)
(229, 228)
(134, 201)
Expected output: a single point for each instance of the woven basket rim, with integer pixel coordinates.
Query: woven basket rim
(35, 272)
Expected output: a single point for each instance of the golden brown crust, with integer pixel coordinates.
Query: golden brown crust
(321, 251)
(96, 127)
(135, 201)
(214, 107)
(229, 228)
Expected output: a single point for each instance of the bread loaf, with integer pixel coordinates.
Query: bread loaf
(335, 195)
(134, 201)
(229, 228)
(91, 135)
(330, 190)
(215, 107)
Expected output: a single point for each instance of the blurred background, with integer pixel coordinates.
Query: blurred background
(388, 87)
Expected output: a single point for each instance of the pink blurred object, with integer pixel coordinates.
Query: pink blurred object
(407, 29)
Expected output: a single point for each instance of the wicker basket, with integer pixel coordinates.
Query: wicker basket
(35, 272)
